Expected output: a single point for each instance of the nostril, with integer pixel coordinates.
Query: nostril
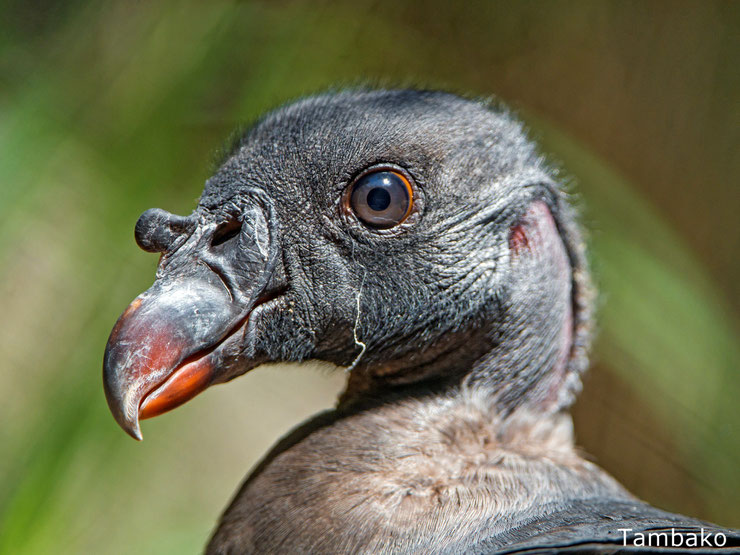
(225, 232)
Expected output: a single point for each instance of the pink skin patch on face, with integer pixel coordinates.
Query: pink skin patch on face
(536, 240)
(518, 240)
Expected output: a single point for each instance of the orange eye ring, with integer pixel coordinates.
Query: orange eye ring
(381, 198)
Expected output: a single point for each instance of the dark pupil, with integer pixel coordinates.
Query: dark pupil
(378, 199)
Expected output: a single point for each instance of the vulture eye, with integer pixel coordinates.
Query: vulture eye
(381, 198)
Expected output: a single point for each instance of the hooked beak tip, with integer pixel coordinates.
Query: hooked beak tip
(128, 420)
(134, 431)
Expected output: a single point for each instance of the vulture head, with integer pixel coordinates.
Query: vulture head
(416, 238)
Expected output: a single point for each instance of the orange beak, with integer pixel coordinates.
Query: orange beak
(165, 349)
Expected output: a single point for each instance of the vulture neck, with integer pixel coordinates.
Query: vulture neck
(365, 479)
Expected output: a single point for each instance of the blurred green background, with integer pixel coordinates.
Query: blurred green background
(107, 109)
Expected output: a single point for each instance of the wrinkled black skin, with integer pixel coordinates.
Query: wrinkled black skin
(413, 282)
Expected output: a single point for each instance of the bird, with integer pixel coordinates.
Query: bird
(419, 240)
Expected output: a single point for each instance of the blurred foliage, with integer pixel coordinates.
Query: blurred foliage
(107, 109)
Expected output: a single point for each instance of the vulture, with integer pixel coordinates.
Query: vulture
(419, 240)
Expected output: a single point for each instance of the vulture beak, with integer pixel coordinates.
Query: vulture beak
(177, 338)
(160, 353)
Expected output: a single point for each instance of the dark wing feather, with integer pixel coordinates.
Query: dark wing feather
(593, 527)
